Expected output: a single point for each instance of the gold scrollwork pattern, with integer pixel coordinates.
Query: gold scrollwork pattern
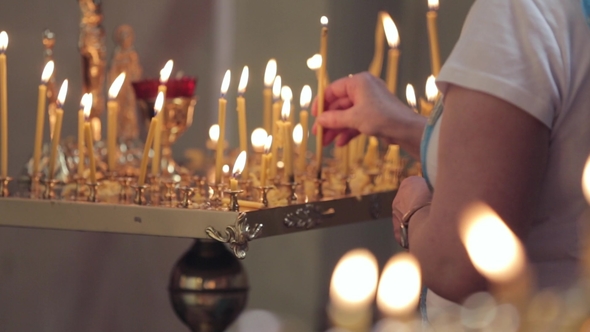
(237, 235)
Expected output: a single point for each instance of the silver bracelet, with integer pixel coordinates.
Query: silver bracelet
(405, 223)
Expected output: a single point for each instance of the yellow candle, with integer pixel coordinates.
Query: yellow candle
(42, 98)
(304, 101)
(269, 75)
(352, 158)
(425, 107)
(3, 106)
(392, 155)
(377, 62)
(221, 122)
(241, 108)
(276, 114)
(360, 146)
(346, 160)
(370, 161)
(81, 121)
(287, 140)
(393, 55)
(164, 76)
(321, 87)
(112, 113)
(245, 204)
(150, 139)
(59, 113)
(266, 160)
(433, 36)
(90, 148)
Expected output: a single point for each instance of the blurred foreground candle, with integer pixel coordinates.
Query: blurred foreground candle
(241, 109)
(377, 62)
(88, 138)
(427, 105)
(393, 55)
(221, 122)
(164, 76)
(304, 101)
(59, 114)
(399, 287)
(287, 140)
(150, 139)
(213, 137)
(266, 161)
(3, 106)
(112, 114)
(47, 72)
(352, 291)
(269, 77)
(433, 36)
(81, 121)
(321, 90)
(239, 165)
(276, 113)
(258, 139)
(372, 156)
(287, 96)
(411, 97)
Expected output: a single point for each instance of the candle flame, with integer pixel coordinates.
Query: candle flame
(315, 62)
(3, 41)
(411, 95)
(159, 103)
(298, 134)
(399, 285)
(116, 86)
(324, 21)
(431, 89)
(268, 144)
(47, 72)
(433, 4)
(481, 230)
(243, 80)
(390, 31)
(286, 110)
(586, 180)
(214, 133)
(63, 91)
(225, 169)
(258, 138)
(239, 164)
(87, 104)
(276, 87)
(354, 279)
(270, 72)
(286, 93)
(305, 97)
(225, 83)
(166, 71)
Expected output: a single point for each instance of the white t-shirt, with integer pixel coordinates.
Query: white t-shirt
(535, 54)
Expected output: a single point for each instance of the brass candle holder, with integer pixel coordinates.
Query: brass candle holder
(140, 198)
(292, 186)
(216, 198)
(319, 191)
(35, 188)
(154, 185)
(264, 194)
(169, 195)
(80, 182)
(233, 199)
(186, 195)
(49, 192)
(346, 180)
(124, 182)
(4, 186)
(92, 191)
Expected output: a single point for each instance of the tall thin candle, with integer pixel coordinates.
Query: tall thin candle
(304, 101)
(377, 62)
(164, 76)
(88, 139)
(393, 55)
(241, 109)
(221, 122)
(59, 113)
(150, 139)
(42, 99)
(113, 111)
(431, 17)
(3, 106)
(321, 87)
(81, 122)
(287, 140)
(269, 77)
(266, 158)
(276, 113)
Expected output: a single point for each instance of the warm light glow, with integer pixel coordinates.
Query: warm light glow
(87, 104)
(482, 231)
(258, 138)
(390, 31)
(214, 133)
(243, 80)
(298, 134)
(354, 280)
(159, 103)
(225, 83)
(63, 91)
(239, 164)
(286, 93)
(315, 62)
(411, 95)
(433, 4)
(286, 110)
(324, 20)
(276, 87)
(225, 169)
(47, 72)
(431, 89)
(399, 286)
(305, 97)
(166, 71)
(116, 86)
(270, 72)
(586, 180)
(3, 41)
(268, 144)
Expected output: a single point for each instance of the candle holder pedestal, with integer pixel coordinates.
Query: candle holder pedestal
(49, 192)
(186, 195)
(169, 195)
(139, 198)
(124, 182)
(292, 186)
(233, 199)
(346, 180)
(35, 188)
(264, 194)
(4, 181)
(216, 198)
(92, 191)
(319, 190)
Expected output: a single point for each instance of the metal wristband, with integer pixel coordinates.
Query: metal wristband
(405, 223)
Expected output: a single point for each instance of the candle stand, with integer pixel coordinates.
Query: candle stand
(139, 198)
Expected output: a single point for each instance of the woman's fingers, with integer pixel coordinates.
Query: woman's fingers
(337, 119)
(346, 136)
(330, 135)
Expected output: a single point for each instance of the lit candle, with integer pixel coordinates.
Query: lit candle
(89, 139)
(314, 63)
(320, 97)
(433, 36)
(258, 139)
(287, 96)
(59, 114)
(112, 113)
(276, 113)
(431, 94)
(370, 161)
(287, 140)
(377, 62)
(213, 137)
(47, 72)
(221, 122)
(399, 287)
(3, 105)
(297, 135)
(81, 122)
(241, 109)
(411, 97)
(239, 165)
(164, 76)
(352, 290)
(266, 161)
(304, 101)
(150, 139)
(393, 55)
(269, 76)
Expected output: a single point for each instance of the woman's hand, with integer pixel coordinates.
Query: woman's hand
(362, 104)
(412, 193)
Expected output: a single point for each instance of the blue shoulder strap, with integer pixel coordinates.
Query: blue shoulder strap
(586, 8)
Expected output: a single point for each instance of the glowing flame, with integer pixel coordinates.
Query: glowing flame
(47, 72)
(586, 180)
(354, 280)
(411, 95)
(3, 41)
(315, 62)
(116, 86)
(166, 71)
(305, 97)
(63, 91)
(433, 4)
(239, 164)
(225, 169)
(258, 138)
(390, 31)
(481, 230)
(276, 87)
(214, 133)
(225, 83)
(286, 110)
(286, 93)
(270, 72)
(324, 21)
(298, 134)
(268, 144)
(87, 104)
(243, 80)
(431, 89)
(159, 103)
(399, 286)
